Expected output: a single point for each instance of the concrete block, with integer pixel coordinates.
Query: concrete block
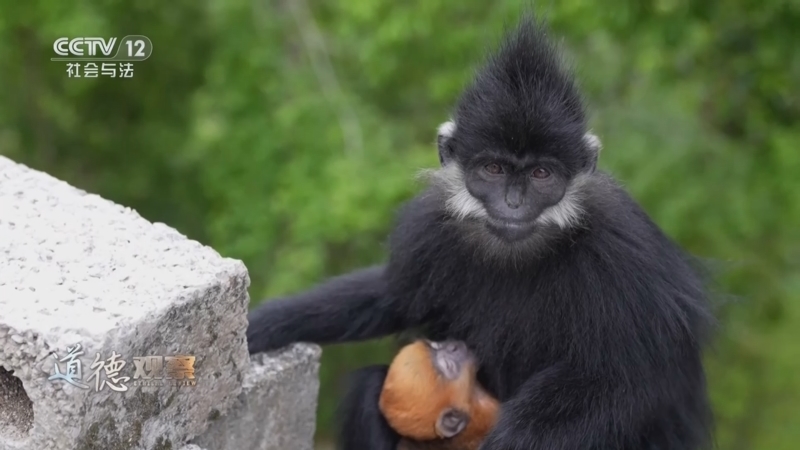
(277, 407)
(76, 269)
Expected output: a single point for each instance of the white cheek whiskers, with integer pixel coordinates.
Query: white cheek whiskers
(459, 203)
(567, 213)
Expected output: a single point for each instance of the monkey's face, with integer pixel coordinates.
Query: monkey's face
(451, 359)
(513, 193)
(429, 390)
(455, 364)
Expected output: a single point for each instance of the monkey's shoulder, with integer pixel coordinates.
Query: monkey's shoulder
(420, 223)
(623, 254)
(617, 225)
(427, 206)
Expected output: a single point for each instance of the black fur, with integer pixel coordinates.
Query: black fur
(361, 425)
(591, 335)
(524, 99)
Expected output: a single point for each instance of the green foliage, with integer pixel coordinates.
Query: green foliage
(286, 134)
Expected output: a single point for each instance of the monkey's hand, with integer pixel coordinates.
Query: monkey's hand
(345, 308)
(269, 325)
(559, 409)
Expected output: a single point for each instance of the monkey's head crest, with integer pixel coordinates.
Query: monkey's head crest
(523, 101)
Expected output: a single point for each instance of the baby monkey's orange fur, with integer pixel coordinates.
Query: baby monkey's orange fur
(416, 394)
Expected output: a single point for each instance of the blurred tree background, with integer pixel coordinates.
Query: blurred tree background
(285, 133)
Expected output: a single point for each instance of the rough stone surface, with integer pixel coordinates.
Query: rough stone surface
(277, 407)
(16, 418)
(78, 269)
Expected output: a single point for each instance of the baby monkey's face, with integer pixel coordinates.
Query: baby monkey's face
(451, 358)
(455, 363)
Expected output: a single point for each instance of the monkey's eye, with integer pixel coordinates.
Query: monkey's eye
(493, 169)
(540, 173)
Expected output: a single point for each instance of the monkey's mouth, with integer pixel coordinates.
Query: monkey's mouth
(450, 368)
(510, 230)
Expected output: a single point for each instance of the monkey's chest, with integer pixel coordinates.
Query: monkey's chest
(502, 321)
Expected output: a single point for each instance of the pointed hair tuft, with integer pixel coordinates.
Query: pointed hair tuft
(524, 91)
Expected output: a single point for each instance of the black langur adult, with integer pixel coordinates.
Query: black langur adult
(587, 321)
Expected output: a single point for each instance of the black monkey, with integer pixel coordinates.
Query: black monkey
(587, 321)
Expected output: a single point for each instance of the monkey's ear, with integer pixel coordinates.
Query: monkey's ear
(451, 422)
(593, 147)
(444, 141)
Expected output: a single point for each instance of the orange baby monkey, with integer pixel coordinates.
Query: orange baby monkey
(431, 398)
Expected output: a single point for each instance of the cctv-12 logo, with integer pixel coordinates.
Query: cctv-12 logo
(89, 56)
(129, 48)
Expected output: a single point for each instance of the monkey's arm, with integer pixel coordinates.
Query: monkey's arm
(344, 308)
(362, 426)
(556, 409)
(563, 408)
